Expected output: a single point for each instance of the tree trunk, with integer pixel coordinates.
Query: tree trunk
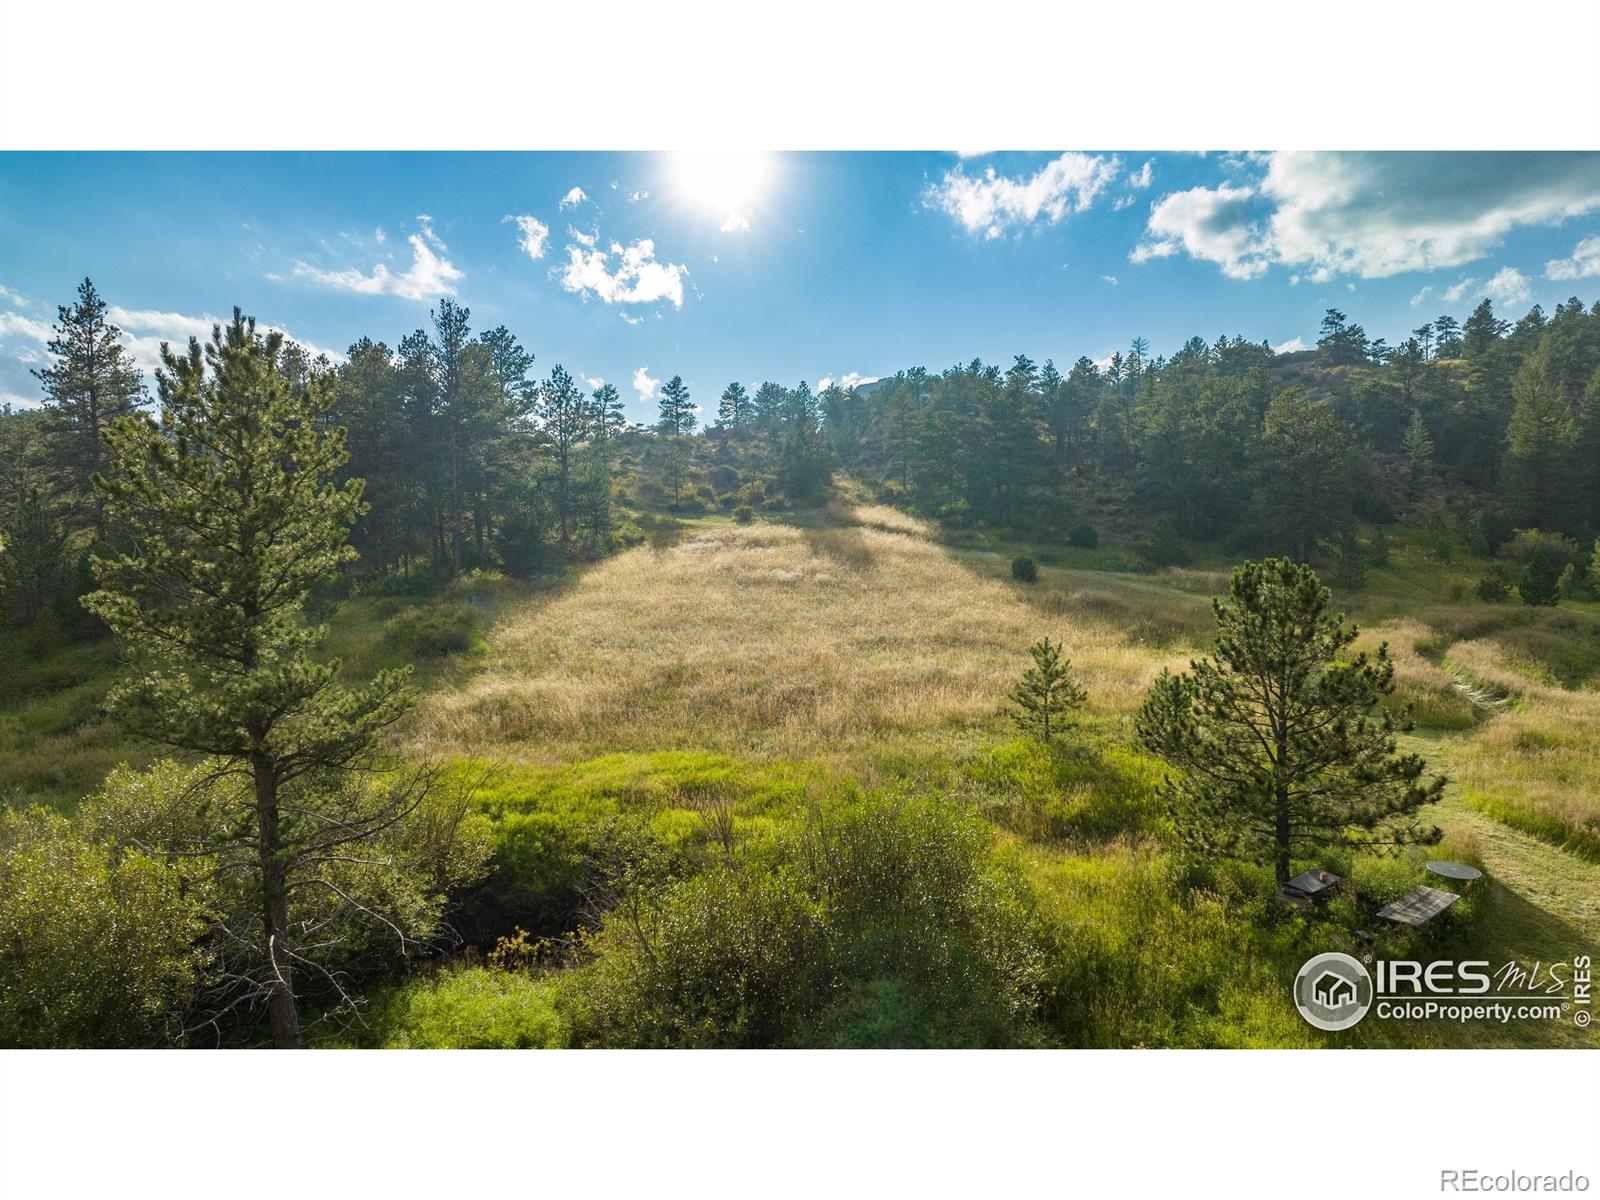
(1281, 837)
(281, 1010)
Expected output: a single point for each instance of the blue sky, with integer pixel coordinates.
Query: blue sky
(634, 267)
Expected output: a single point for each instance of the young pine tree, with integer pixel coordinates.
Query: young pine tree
(1046, 694)
(233, 518)
(1419, 455)
(1278, 740)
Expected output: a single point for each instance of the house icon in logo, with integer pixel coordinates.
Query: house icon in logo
(1333, 990)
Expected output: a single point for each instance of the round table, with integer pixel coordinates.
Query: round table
(1454, 870)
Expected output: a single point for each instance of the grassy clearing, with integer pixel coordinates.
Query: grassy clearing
(774, 639)
(777, 668)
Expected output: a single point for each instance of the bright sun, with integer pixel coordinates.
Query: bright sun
(726, 181)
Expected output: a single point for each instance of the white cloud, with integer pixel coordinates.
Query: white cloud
(429, 276)
(1142, 178)
(595, 382)
(588, 239)
(1111, 279)
(17, 325)
(379, 236)
(993, 204)
(16, 401)
(1421, 296)
(824, 383)
(645, 385)
(1585, 261)
(1370, 214)
(1453, 294)
(11, 297)
(532, 233)
(735, 224)
(1289, 347)
(638, 277)
(635, 197)
(856, 379)
(575, 197)
(1206, 223)
(1508, 287)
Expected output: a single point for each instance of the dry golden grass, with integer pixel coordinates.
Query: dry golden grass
(771, 638)
(1535, 765)
(1437, 698)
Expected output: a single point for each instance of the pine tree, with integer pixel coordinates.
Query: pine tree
(677, 411)
(92, 383)
(733, 410)
(32, 550)
(606, 414)
(1278, 739)
(1419, 454)
(1047, 693)
(233, 519)
(1541, 472)
(1446, 337)
(566, 421)
(1305, 489)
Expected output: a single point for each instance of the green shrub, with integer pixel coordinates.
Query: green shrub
(1540, 582)
(1024, 569)
(475, 1008)
(1557, 548)
(432, 631)
(744, 514)
(97, 947)
(1084, 536)
(1495, 587)
(886, 920)
(1164, 547)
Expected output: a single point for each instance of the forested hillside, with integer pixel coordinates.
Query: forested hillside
(423, 699)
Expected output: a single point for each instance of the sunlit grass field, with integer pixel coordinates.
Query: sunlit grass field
(775, 666)
(852, 649)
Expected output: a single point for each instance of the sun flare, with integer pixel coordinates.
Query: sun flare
(728, 181)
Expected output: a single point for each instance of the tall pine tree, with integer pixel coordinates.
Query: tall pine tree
(1279, 741)
(234, 518)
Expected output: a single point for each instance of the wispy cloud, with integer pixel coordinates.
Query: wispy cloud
(429, 276)
(573, 198)
(735, 224)
(532, 233)
(1291, 346)
(1509, 286)
(1585, 261)
(992, 204)
(17, 325)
